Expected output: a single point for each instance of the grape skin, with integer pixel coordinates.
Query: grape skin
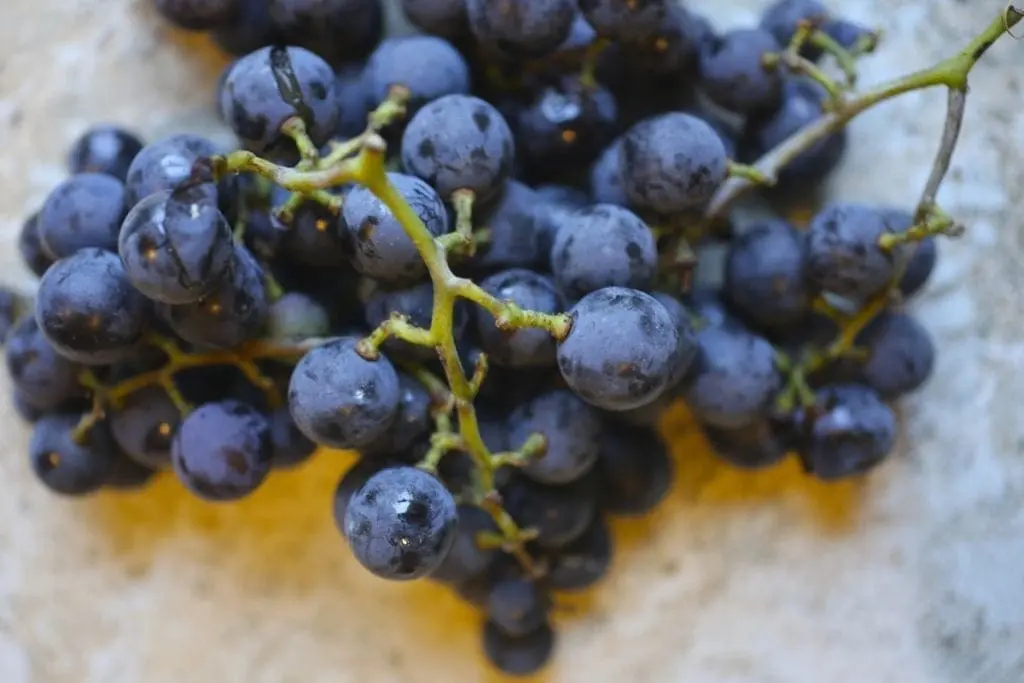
(733, 75)
(901, 355)
(843, 252)
(84, 211)
(527, 28)
(44, 379)
(466, 560)
(518, 656)
(572, 432)
(64, 466)
(144, 425)
(166, 165)
(584, 562)
(528, 347)
(428, 66)
(517, 606)
(104, 149)
(854, 432)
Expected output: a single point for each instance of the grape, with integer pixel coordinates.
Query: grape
(766, 274)
(851, 432)
(526, 28)
(296, 316)
(412, 420)
(901, 355)
(923, 257)
(843, 252)
(683, 320)
(416, 303)
(459, 142)
(351, 482)
(382, 249)
(583, 562)
(567, 123)
(606, 178)
(88, 310)
(289, 446)
(353, 95)
(144, 425)
(401, 523)
(84, 211)
(43, 378)
(622, 351)
(846, 33)
(561, 196)
(634, 469)
(559, 514)
(521, 656)
(467, 560)
(339, 399)
(527, 347)
(105, 149)
(197, 15)
(314, 236)
(572, 432)
(754, 446)
(9, 312)
(273, 84)
(734, 379)
(783, 17)
(446, 18)
(517, 606)
(603, 246)
(30, 247)
(520, 226)
(166, 165)
(626, 20)
(234, 311)
(175, 246)
(726, 130)
(127, 475)
(249, 29)
(710, 308)
(337, 30)
(672, 163)
(65, 466)
(671, 52)
(429, 67)
(222, 451)
(733, 74)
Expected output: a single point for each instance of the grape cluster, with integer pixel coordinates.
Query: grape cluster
(469, 256)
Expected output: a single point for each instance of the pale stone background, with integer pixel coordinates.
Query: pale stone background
(913, 576)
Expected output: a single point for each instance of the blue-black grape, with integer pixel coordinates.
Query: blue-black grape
(672, 163)
(84, 211)
(634, 469)
(459, 142)
(606, 178)
(783, 17)
(754, 446)
(350, 484)
(65, 466)
(197, 15)
(352, 91)
(571, 429)
(289, 446)
(844, 256)
(296, 316)
(527, 347)
(622, 351)
(30, 247)
(105, 149)
(766, 274)
(313, 235)
(559, 514)
(670, 52)
(10, 310)
(381, 248)
(467, 560)
(175, 245)
(626, 20)
(683, 319)
(411, 422)
(900, 355)
(850, 432)
(248, 29)
(222, 451)
(417, 304)
(427, 66)
(233, 312)
(340, 399)
(337, 30)
(166, 165)
(144, 425)
(517, 606)
(446, 18)
(128, 475)
(603, 245)
(582, 563)
(733, 74)
(527, 28)
(43, 378)
(734, 379)
(401, 523)
(924, 254)
(520, 656)
(562, 196)
(88, 310)
(521, 229)
(272, 85)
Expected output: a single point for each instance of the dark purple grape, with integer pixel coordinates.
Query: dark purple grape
(847, 33)
(296, 316)
(562, 196)
(603, 246)
(88, 310)
(337, 30)
(268, 87)
(234, 311)
(144, 425)
(342, 400)
(559, 514)
(670, 52)
(919, 267)
(43, 378)
(626, 20)
(733, 74)
(634, 469)
(65, 466)
(353, 93)
(411, 423)
(672, 163)
(901, 355)
(197, 15)
(467, 560)
(401, 523)
(428, 66)
(757, 445)
(222, 451)
(417, 304)
(571, 430)
(128, 475)
(176, 246)
(517, 606)
(84, 211)
(459, 142)
(851, 432)
(527, 347)
(289, 446)
(606, 177)
(844, 256)
(24, 408)
(520, 229)
(381, 248)
(166, 165)
(249, 29)
(521, 29)
(582, 563)
(107, 149)
(783, 17)
(30, 247)
(521, 656)
(313, 235)
(622, 351)
(350, 483)
(445, 18)
(10, 311)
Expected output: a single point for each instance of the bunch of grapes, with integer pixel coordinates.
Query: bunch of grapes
(469, 255)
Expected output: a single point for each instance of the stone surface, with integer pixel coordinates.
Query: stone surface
(911, 576)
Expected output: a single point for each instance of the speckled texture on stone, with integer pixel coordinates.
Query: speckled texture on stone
(912, 576)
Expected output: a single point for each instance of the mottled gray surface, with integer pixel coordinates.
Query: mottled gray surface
(913, 576)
